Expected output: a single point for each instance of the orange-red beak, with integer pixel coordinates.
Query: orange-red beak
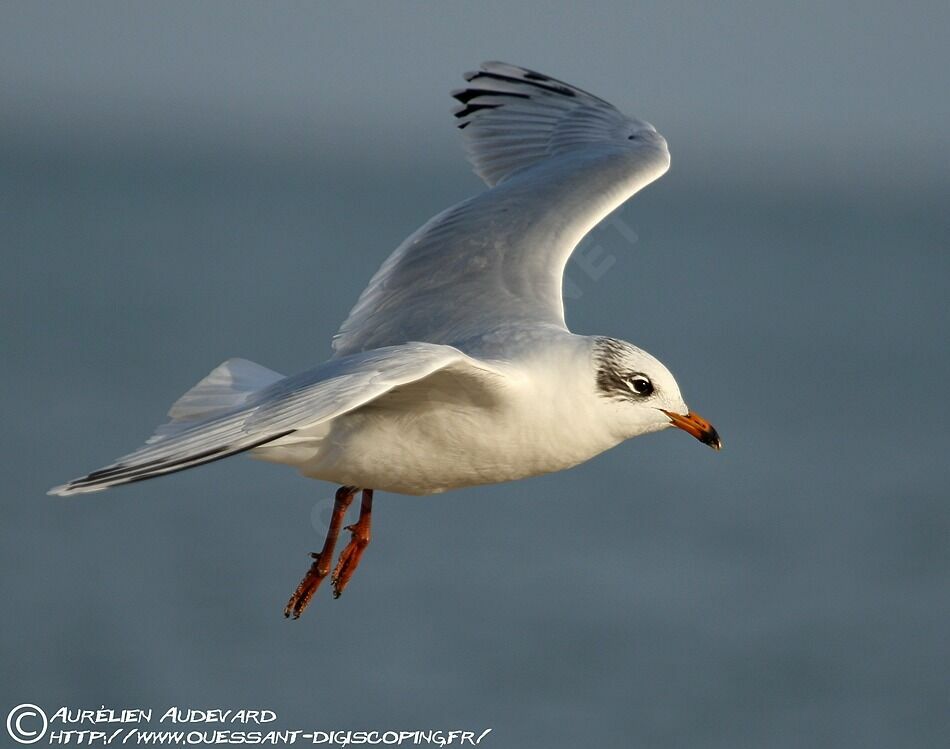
(697, 426)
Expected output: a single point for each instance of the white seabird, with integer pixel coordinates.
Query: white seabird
(455, 367)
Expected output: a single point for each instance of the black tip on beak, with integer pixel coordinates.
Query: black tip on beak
(697, 426)
(711, 438)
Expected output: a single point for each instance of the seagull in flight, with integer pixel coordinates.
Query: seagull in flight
(455, 368)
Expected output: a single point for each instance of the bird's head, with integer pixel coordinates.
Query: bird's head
(641, 393)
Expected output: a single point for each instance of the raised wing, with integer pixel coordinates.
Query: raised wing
(279, 409)
(512, 117)
(558, 160)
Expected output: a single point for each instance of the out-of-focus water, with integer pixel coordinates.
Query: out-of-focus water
(790, 591)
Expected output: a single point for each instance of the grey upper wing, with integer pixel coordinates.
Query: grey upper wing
(559, 160)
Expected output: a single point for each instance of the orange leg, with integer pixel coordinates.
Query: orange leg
(359, 540)
(321, 561)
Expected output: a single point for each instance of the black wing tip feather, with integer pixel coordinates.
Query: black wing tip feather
(472, 108)
(528, 73)
(535, 76)
(122, 473)
(551, 86)
(465, 95)
(527, 77)
(488, 69)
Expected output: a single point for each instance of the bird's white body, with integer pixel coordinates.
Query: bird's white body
(455, 367)
(544, 415)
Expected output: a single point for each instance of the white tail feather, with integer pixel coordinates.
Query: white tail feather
(226, 388)
(206, 406)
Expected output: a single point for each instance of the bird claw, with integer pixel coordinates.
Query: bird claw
(350, 558)
(305, 590)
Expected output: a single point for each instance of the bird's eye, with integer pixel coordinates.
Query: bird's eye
(640, 384)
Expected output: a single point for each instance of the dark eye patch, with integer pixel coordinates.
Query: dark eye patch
(615, 380)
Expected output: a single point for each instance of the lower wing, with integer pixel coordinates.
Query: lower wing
(196, 436)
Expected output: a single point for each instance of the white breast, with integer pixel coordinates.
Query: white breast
(425, 439)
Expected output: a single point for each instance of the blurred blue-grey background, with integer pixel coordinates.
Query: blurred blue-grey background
(185, 182)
